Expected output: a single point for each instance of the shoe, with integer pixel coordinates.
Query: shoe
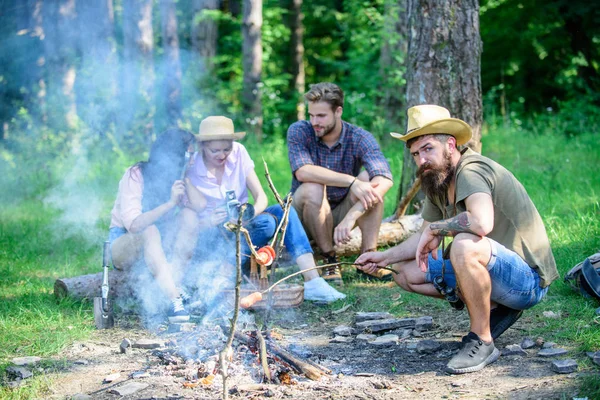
(185, 296)
(502, 318)
(177, 313)
(332, 274)
(473, 356)
(318, 290)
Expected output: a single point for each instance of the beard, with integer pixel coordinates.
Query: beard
(326, 129)
(435, 179)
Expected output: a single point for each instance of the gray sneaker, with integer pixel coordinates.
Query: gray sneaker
(473, 356)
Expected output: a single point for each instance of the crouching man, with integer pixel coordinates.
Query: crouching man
(500, 258)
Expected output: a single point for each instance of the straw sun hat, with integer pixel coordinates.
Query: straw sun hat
(428, 119)
(218, 128)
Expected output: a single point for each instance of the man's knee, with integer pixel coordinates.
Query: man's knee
(467, 246)
(310, 194)
(407, 277)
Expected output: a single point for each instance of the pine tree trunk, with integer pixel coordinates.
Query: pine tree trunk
(171, 65)
(297, 56)
(443, 65)
(204, 34)
(137, 80)
(59, 24)
(252, 64)
(96, 77)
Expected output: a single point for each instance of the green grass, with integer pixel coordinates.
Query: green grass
(37, 247)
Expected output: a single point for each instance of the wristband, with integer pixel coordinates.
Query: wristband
(355, 178)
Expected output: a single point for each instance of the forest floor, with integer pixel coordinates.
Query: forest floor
(359, 370)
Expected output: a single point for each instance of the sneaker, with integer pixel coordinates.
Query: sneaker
(332, 274)
(177, 313)
(502, 318)
(185, 296)
(473, 356)
(318, 290)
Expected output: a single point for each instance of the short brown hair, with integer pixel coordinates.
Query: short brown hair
(327, 92)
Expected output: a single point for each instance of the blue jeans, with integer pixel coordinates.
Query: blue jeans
(514, 283)
(217, 243)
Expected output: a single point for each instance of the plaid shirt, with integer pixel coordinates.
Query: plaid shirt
(355, 148)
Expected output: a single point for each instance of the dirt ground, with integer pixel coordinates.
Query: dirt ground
(359, 370)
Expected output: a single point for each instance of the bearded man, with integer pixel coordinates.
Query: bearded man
(326, 156)
(500, 258)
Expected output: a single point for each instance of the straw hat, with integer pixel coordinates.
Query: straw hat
(218, 128)
(428, 119)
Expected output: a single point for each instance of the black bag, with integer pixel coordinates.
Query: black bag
(586, 276)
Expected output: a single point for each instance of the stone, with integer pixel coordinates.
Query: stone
(129, 388)
(343, 330)
(539, 341)
(341, 339)
(552, 352)
(564, 366)
(140, 374)
(15, 384)
(81, 362)
(19, 372)
(386, 324)
(22, 361)
(369, 316)
(527, 343)
(385, 340)
(551, 314)
(125, 346)
(424, 323)
(182, 327)
(112, 377)
(147, 344)
(548, 345)
(513, 350)
(428, 346)
(462, 383)
(366, 337)
(81, 396)
(403, 333)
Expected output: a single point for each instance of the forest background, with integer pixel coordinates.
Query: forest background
(86, 86)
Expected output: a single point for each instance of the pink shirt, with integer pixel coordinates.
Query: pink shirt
(128, 205)
(237, 167)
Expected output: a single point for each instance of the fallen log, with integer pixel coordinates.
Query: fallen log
(390, 234)
(89, 286)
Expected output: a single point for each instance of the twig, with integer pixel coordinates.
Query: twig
(271, 185)
(236, 308)
(262, 351)
(403, 205)
(283, 223)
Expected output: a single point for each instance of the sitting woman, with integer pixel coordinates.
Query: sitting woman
(144, 213)
(222, 168)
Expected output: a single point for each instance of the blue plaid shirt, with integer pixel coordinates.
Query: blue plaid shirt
(355, 148)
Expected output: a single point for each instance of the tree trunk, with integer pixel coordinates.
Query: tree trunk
(204, 34)
(171, 65)
(96, 77)
(252, 64)
(392, 59)
(444, 65)
(137, 79)
(296, 66)
(59, 25)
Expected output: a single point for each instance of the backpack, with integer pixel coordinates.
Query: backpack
(585, 276)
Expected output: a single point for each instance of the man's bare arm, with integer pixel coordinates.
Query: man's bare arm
(477, 220)
(324, 176)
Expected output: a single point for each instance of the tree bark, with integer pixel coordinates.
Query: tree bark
(443, 66)
(137, 79)
(252, 64)
(394, 47)
(204, 34)
(172, 64)
(296, 66)
(96, 77)
(59, 25)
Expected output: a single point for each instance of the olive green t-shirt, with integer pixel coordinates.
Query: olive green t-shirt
(517, 223)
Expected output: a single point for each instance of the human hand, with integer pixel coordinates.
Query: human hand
(427, 244)
(218, 217)
(371, 261)
(365, 193)
(341, 233)
(177, 191)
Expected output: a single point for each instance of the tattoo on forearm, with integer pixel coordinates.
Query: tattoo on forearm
(452, 226)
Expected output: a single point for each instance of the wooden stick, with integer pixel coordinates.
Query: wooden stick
(271, 185)
(412, 192)
(262, 351)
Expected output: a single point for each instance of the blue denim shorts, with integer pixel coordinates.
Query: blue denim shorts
(514, 283)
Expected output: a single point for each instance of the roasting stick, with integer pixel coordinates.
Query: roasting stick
(255, 297)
